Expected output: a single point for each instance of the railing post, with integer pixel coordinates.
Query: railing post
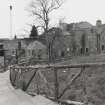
(37, 85)
(84, 86)
(10, 76)
(4, 61)
(12, 80)
(16, 56)
(56, 84)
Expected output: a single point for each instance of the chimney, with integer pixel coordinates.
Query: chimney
(98, 23)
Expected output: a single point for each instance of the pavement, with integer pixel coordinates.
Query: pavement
(11, 96)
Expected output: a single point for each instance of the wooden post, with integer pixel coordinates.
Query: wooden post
(10, 76)
(37, 85)
(4, 60)
(56, 84)
(16, 56)
(84, 86)
(15, 77)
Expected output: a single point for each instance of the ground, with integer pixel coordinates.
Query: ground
(89, 86)
(11, 96)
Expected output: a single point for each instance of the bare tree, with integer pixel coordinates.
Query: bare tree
(41, 10)
(53, 35)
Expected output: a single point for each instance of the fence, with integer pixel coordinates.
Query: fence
(50, 80)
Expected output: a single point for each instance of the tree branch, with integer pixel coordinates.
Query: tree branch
(55, 5)
(38, 14)
(42, 8)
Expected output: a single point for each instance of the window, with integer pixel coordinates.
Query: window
(81, 51)
(1, 46)
(39, 56)
(1, 52)
(13, 52)
(29, 52)
(62, 54)
(87, 50)
(103, 47)
(33, 52)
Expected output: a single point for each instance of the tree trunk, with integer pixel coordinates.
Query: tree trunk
(98, 43)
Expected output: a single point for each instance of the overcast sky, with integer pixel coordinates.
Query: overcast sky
(71, 10)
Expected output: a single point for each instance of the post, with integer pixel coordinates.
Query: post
(4, 60)
(16, 56)
(11, 20)
(84, 86)
(98, 43)
(56, 84)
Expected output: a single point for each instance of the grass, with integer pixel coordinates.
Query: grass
(87, 85)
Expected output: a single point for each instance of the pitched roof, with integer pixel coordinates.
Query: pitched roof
(36, 45)
(83, 25)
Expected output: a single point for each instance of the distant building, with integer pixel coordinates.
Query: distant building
(18, 49)
(94, 36)
(68, 39)
(36, 50)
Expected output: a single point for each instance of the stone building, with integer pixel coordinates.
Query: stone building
(80, 38)
(36, 50)
(84, 37)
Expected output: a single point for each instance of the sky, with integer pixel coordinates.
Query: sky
(71, 11)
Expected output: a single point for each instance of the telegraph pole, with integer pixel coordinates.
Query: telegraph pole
(10, 21)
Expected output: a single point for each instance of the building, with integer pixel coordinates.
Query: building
(84, 37)
(36, 50)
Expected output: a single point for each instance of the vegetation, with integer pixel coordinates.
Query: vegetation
(34, 33)
(41, 9)
(78, 84)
